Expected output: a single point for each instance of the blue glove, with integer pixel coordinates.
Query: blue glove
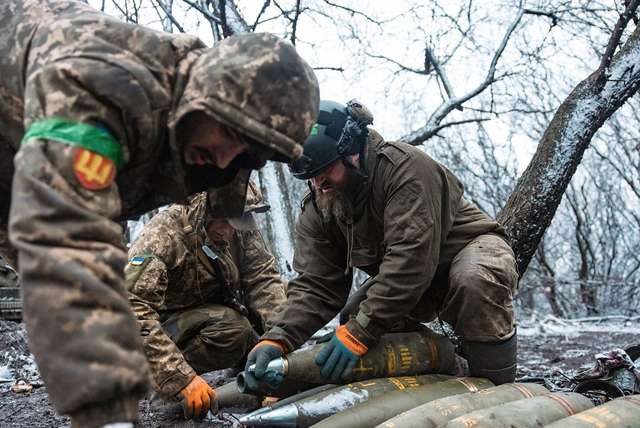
(261, 354)
(339, 357)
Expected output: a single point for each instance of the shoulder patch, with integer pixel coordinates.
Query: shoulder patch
(93, 171)
(134, 269)
(137, 260)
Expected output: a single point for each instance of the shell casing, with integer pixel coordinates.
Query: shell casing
(623, 412)
(526, 413)
(384, 407)
(289, 386)
(439, 412)
(307, 411)
(396, 354)
(229, 396)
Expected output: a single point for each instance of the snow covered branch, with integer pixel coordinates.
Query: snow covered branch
(624, 19)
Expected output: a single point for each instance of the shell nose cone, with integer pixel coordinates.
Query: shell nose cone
(285, 416)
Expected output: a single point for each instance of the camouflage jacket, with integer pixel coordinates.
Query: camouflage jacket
(410, 220)
(166, 275)
(63, 63)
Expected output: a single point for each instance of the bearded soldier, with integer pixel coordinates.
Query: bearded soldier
(203, 287)
(105, 120)
(389, 209)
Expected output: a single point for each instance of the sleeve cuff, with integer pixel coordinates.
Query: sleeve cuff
(361, 327)
(172, 385)
(280, 335)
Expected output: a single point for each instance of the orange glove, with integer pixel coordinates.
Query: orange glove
(198, 398)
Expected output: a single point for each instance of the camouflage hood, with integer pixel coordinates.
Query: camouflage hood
(257, 84)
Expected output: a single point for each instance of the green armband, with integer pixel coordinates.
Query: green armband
(93, 138)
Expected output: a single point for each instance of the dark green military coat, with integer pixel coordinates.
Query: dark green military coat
(410, 221)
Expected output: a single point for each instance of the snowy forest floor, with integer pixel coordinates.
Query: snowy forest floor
(544, 346)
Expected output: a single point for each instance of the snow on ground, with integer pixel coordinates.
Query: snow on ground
(6, 373)
(546, 346)
(551, 325)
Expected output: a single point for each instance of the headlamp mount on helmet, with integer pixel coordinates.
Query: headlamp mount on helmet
(340, 131)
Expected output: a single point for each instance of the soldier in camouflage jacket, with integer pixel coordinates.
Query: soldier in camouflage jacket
(102, 120)
(197, 314)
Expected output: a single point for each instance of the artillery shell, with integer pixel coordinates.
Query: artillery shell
(382, 408)
(439, 412)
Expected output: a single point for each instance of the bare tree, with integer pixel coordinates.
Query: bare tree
(533, 203)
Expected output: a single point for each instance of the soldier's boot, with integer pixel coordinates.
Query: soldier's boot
(496, 361)
(8, 275)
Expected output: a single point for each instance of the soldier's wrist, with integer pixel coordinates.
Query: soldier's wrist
(361, 333)
(279, 335)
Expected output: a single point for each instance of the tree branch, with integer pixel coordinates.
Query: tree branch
(554, 18)
(231, 20)
(440, 72)
(434, 131)
(265, 5)
(614, 40)
(210, 17)
(353, 12)
(168, 14)
(294, 23)
(422, 134)
(340, 69)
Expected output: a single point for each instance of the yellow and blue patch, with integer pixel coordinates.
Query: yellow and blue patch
(137, 260)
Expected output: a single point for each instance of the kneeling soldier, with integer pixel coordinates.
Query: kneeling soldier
(190, 274)
(390, 210)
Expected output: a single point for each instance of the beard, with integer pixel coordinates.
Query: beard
(338, 203)
(334, 205)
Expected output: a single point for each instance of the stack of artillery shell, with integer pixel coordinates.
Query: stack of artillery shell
(439, 412)
(623, 412)
(396, 354)
(380, 409)
(229, 396)
(527, 413)
(307, 411)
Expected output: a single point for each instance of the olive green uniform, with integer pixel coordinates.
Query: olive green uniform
(191, 319)
(428, 250)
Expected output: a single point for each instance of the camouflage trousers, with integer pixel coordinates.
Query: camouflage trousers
(211, 337)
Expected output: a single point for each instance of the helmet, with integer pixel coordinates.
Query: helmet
(339, 132)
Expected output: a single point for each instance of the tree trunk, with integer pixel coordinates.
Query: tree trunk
(533, 203)
(549, 289)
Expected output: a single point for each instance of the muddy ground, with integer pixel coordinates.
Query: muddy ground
(544, 346)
